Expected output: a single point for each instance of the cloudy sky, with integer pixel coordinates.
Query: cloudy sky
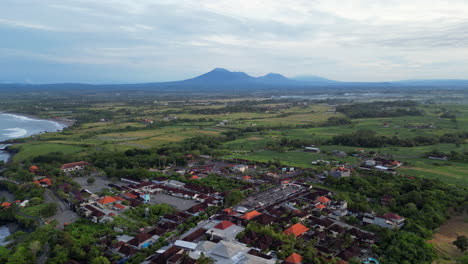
(121, 41)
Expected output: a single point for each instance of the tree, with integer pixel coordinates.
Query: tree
(461, 243)
(21, 256)
(35, 246)
(204, 259)
(90, 180)
(100, 260)
(234, 197)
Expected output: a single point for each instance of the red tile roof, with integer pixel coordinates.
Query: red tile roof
(251, 215)
(297, 229)
(131, 195)
(224, 225)
(294, 259)
(74, 164)
(392, 216)
(107, 200)
(194, 177)
(6, 204)
(246, 177)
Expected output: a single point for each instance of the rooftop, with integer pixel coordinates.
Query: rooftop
(297, 229)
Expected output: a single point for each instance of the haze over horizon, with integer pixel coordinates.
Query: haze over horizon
(116, 41)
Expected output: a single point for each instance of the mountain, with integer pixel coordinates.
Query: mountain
(219, 80)
(313, 79)
(220, 75)
(274, 78)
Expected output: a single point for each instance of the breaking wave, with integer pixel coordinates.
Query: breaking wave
(15, 132)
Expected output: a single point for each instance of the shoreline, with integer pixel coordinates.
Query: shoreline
(60, 123)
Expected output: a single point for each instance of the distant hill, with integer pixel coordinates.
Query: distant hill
(313, 79)
(220, 79)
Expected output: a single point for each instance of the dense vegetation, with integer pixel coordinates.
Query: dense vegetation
(380, 109)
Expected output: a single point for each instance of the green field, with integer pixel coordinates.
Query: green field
(27, 151)
(124, 130)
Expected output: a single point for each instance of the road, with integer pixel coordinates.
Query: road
(64, 213)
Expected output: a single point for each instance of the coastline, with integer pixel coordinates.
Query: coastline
(61, 121)
(61, 124)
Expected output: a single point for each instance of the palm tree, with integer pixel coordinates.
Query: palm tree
(204, 259)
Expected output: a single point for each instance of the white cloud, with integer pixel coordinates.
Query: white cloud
(345, 40)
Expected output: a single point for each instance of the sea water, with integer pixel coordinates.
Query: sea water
(16, 126)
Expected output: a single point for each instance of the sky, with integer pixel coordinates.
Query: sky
(125, 41)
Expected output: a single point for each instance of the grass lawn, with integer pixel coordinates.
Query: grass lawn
(291, 158)
(31, 150)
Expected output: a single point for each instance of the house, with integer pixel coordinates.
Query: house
(240, 168)
(386, 200)
(46, 182)
(294, 258)
(6, 204)
(229, 252)
(312, 149)
(388, 220)
(143, 240)
(224, 230)
(250, 215)
(34, 169)
(341, 172)
(264, 219)
(324, 200)
(297, 230)
(80, 165)
(120, 207)
(107, 200)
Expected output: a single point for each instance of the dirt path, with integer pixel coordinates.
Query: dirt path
(448, 232)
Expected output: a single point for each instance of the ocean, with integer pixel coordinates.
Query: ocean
(17, 126)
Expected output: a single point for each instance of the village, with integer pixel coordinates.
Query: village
(203, 225)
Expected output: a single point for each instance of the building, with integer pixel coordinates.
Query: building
(297, 230)
(293, 259)
(388, 220)
(224, 230)
(229, 252)
(341, 172)
(80, 165)
(312, 149)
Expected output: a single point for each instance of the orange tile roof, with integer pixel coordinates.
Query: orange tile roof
(251, 215)
(119, 198)
(320, 206)
(297, 229)
(294, 259)
(194, 177)
(119, 206)
(107, 200)
(323, 199)
(6, 204)
(46, 181)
